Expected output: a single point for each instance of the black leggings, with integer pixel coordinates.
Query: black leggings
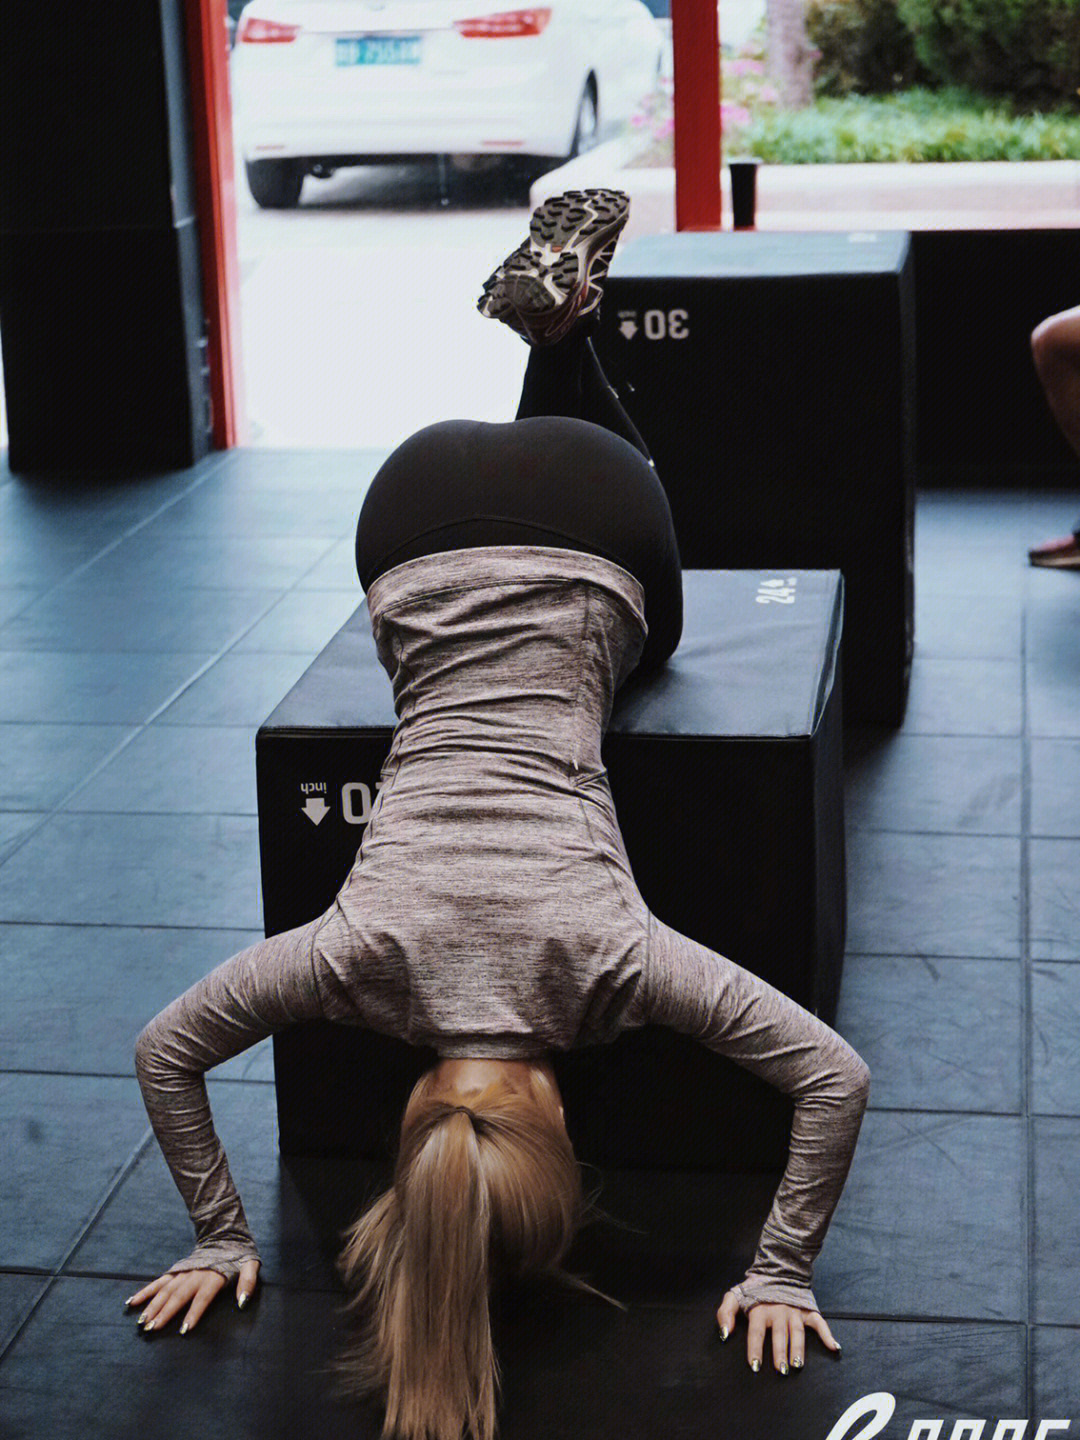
(571, 471)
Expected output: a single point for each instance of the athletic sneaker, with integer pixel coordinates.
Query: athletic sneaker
(1063, 554)
(556, 275)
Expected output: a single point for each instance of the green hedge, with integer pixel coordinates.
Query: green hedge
(1028, 50)
(864, 47)
(917, 125)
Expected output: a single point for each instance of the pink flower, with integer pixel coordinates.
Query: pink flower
(769, 94)
(733, 114)
(745, 66)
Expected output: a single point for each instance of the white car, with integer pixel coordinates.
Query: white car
(319, 84)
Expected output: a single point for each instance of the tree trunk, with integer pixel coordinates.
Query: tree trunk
(790, 52)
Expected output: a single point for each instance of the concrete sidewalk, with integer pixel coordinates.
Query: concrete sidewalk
(1031, 195)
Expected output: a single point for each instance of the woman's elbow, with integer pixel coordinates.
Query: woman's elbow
(148, 1051)
(144, 1051)
(859, 1082)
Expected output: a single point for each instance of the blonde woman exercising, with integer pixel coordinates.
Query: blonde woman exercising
(516, 575)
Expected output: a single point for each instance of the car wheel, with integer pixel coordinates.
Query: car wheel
(275, 184)
(587, 126)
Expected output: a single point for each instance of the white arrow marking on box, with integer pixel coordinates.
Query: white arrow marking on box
(315, 809)
(628, 329)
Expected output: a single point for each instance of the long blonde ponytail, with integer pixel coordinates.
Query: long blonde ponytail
(477, 1191)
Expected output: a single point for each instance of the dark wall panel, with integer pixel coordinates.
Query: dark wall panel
(100, 285)
(978, 296)
(98, 362)
(93, 110)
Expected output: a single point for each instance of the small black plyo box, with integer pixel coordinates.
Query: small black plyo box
(725, 768)
(772, 376)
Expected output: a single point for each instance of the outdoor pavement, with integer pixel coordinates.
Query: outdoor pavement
(358, 311)
(1028, 194)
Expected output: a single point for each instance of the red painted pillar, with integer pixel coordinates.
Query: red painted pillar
(695, 39)
(211, 123)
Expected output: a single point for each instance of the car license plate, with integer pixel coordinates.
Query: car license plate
(377, 50)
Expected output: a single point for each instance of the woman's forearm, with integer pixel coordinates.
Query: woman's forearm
(824, 1130)
(258, 991)
(174, 1093)
(696, 991)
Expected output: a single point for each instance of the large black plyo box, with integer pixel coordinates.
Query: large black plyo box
(725, 767)
(772, 376)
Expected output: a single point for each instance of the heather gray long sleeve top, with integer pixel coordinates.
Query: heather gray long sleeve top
(491, 910)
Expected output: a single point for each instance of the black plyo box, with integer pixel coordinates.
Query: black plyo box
(725, 767)
(772, 376)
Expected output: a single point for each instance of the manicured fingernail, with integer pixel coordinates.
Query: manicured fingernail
(149, 1325)
(141, 1318)
(783, 1367)
(755, 1365)
(796, 1364)
(183, 1328)
(129, 1299)
(242, 1301)
(839, 1347)
(724, 1332)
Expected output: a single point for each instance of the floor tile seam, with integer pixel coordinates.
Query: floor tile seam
(123, 1172)
(244, 631)
(836, 1312)
(7, 1342)
(130, 925)
(335, 1294)
(118, 590)
(945, 1114)
(91, 654)
(62, 805)
(22, 609)
(133, 925)
(291, 589)
(250, 726)
(38, 651)
(95, 771)
(933, 957)
(326, 535)
(125, 535)
(1029, 1250)
(160, 814)
(968, 1114)
(856, 829)
(909, 729)
(855, 955)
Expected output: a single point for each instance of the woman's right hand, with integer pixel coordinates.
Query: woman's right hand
(195, 1289)
(789, 1325)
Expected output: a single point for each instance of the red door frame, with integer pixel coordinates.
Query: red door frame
(695, 42)
(696, 57)
(211, 123)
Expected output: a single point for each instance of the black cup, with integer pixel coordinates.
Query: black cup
(744, 191)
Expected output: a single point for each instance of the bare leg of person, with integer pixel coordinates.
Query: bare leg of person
(1055, 348)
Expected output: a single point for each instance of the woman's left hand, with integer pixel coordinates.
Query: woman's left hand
(788, 1324)
(191, 1289)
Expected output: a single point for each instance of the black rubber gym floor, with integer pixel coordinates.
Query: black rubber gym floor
(147, 627)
